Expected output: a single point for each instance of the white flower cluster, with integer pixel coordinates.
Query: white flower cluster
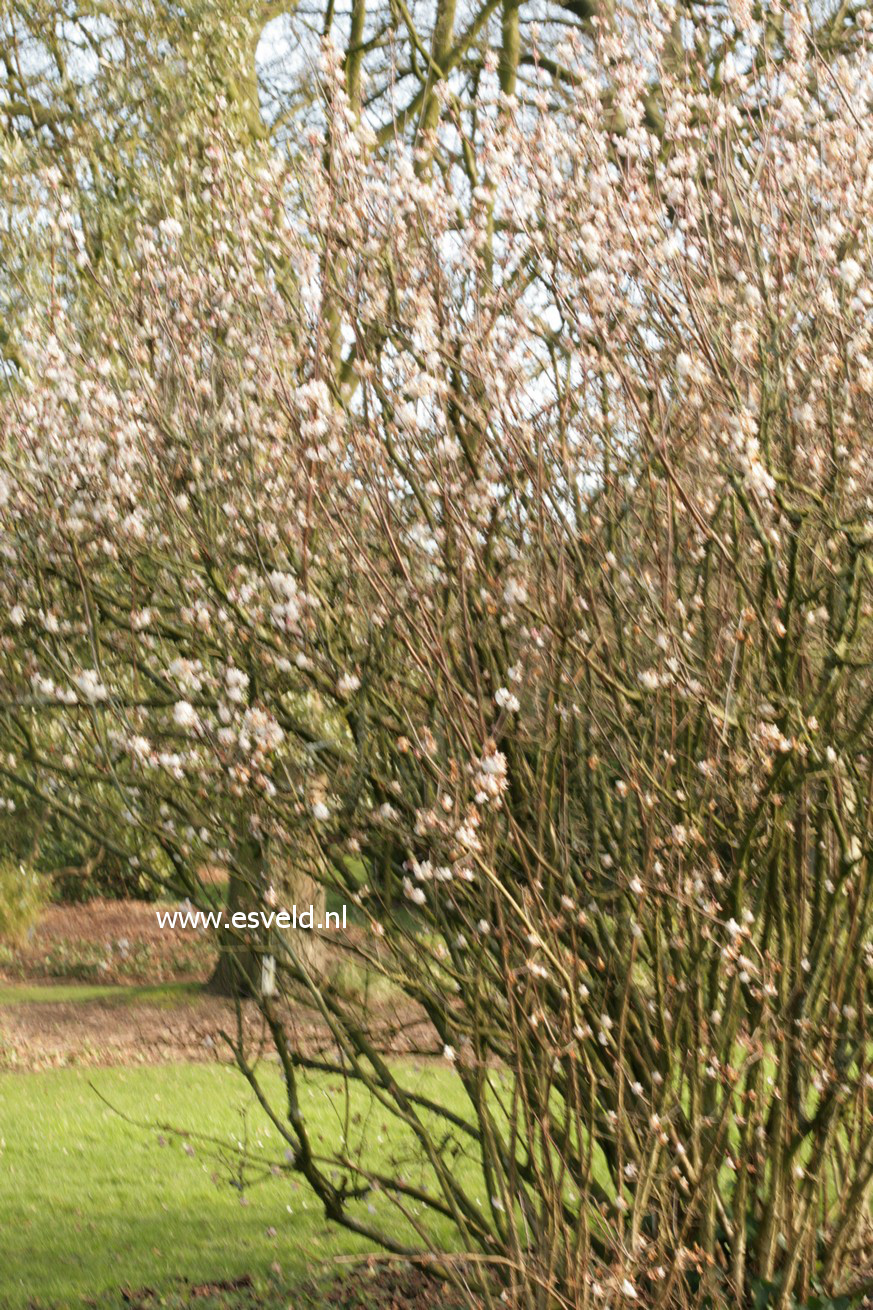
(489, 776)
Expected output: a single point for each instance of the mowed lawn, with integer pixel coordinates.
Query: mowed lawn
(91, 1204)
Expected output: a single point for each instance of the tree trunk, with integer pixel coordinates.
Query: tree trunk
(308, 944)
(239, 969)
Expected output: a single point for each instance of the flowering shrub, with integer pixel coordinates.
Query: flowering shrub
(508, 528)
(23, 897)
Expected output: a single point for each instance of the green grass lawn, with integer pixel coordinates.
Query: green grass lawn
(91, 1203)
(164, 994)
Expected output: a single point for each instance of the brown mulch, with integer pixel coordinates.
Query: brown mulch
(56, 1034)
(114, 942)
(366, 1287)
(389, 1288)
(110, 942)
(90, 1033)
(146, 1297)
(99, 920)
(120, 943)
